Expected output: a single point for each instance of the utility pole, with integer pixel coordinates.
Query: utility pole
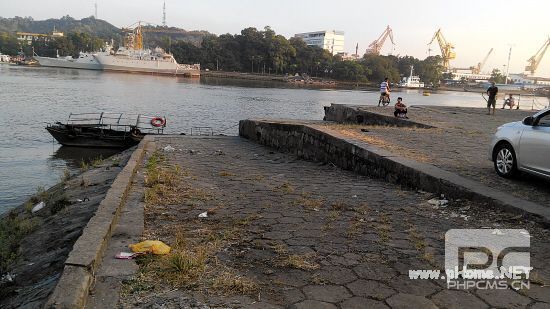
(95, 6)
(164, 14)
(508, 65)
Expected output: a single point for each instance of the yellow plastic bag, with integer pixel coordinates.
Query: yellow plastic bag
(153, 246)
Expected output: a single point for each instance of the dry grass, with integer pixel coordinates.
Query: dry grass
(309, 203)
(285, 187)
(226, 174)
(355, 228)
(230, 283)
(339, 206)
(420, 245)
(383, 229)
(300, 261)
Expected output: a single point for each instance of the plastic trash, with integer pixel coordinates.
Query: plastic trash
(168, 148)
(438, 202)
(203, 215)
(153, 246)
(38, 207)
(127, 255)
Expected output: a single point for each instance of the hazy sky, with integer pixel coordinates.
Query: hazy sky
(472, 26)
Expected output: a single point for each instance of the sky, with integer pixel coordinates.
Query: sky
(474, 27)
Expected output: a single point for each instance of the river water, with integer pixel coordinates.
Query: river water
(32, 96)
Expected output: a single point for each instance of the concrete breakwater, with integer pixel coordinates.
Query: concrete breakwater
(316, 142)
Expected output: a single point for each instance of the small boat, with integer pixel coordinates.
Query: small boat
(412, 81)
(105, 130)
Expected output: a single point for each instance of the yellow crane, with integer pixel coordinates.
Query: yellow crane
(535, 60)
(376, 46)
(447, 49)
(477, 69)
(134, 33)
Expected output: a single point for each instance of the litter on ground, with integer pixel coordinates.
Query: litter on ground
(38, 207)
(153, 246)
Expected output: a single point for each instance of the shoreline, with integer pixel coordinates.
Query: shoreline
(40, 242)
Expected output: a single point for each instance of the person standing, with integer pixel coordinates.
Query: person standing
(384, 90)
(492, 93)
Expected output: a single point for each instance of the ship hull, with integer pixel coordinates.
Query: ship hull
(92, 137)
(123, 64)
(89, 64)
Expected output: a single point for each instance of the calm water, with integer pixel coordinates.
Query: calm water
(29, 97)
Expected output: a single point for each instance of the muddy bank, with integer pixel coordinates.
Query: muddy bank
(34, 246)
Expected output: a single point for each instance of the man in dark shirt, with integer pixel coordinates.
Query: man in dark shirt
(492, 93)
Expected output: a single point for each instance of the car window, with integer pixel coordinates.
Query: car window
(545, 121)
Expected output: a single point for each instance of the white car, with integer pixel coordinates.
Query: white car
(523, 146)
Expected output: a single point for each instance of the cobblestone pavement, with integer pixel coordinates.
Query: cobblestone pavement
(460, 144)
(302, 235)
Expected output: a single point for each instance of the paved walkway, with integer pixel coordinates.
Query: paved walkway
(282, 232)
(460, 144)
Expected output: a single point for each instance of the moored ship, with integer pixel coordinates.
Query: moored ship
(84, 61)
(134, 58)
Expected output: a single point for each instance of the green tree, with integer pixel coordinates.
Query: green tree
(497, 77)
(379, 67)
(431, 70)
(9, 44)
(349, 71)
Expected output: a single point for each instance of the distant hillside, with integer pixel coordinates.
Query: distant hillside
(88, 25)
(96, 27)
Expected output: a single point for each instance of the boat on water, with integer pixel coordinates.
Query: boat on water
(411, 81)
(83, 61)
(134, 58)
(105, 130)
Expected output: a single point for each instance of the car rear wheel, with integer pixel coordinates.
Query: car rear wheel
(505, 160)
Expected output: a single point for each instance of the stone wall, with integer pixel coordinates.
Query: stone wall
(354, 114)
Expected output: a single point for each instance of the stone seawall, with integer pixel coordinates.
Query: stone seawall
(354, 114)
(315, 143)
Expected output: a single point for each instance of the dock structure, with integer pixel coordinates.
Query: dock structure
(296, 213)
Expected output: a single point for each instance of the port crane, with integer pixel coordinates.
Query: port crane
(376, 46)
(134, 32)
(535, 60)
(447, 49)
(477, 69)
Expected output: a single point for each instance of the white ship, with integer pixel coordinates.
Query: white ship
(133, 58)
(411, 81)
(84, 61)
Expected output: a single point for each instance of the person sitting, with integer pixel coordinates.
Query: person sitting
(510, 102)
(400, 109)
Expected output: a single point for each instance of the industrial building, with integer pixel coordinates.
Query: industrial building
(332, 40)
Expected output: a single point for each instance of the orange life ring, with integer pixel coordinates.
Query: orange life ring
(158, 122)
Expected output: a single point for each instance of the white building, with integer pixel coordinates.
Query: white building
(4, 58)
(529, 80)
(459, 74)
(333, 40)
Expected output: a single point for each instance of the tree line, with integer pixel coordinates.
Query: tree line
(265, 52)
(252, 50)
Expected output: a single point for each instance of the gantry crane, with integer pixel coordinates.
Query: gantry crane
(477, 69)
(535, 60)
(376, 46)
(134, 33)
(447, 49)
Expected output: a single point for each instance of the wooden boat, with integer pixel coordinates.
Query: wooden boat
(105, 130)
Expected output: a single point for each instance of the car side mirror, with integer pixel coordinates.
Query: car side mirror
(528, 121)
